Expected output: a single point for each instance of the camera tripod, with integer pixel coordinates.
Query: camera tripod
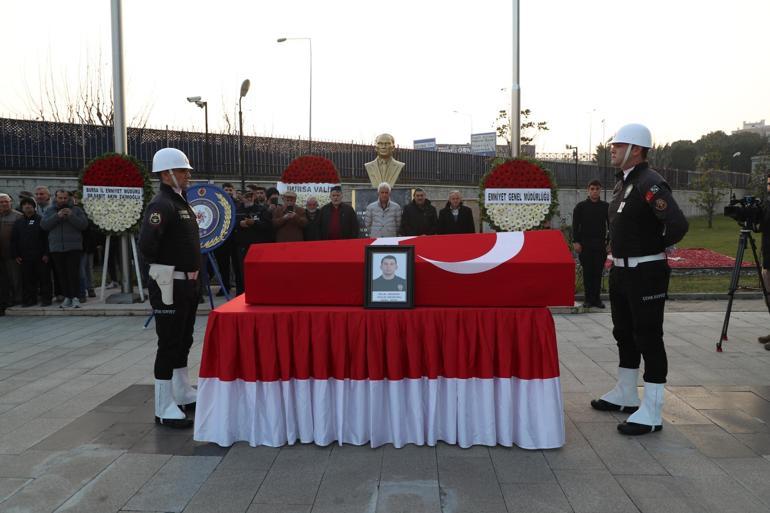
(742, 240)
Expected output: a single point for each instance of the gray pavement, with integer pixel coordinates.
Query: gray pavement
(77, 434)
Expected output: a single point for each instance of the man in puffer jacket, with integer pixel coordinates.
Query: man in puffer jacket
(383, 217)
(65, 223)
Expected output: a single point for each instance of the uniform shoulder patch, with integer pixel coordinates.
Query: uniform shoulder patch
(654, 189)
(660, 204)
(155, 218)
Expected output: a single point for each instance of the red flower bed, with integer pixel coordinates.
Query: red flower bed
(698, 258)
(310, 169)
(113, 171)
(517, 174)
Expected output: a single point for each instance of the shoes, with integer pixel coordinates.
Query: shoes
(648, 418)
(764, 340)
(600, 305)
(167, 413)
(67, 303)
(602, 405)
(767, 346)
(185, 396)
(586, 304)
(82, 299)
(75, 302)
(91, 293)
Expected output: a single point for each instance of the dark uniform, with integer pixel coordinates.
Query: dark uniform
(589, 228)
(396, 284)
(169, 236)
(644, 220)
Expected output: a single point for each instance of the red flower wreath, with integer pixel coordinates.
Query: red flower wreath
(310, 169)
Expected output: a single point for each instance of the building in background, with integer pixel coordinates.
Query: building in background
(758, 127)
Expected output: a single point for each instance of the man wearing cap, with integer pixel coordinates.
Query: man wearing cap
(289, 220)
(169, 242)
(644, 220)
(338, 220)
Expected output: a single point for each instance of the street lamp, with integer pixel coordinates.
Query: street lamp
(310, 108)
(470, 118)
(244, 89)
(205, 106)
(590, 132)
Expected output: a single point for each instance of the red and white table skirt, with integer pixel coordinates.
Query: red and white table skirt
(466, 376)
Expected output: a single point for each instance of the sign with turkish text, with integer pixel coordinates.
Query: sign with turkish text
(516, 196)
(425, 144)
(484, 144)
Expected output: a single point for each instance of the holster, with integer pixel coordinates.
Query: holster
(164, 277)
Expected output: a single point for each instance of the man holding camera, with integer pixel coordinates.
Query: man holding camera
(644, 220)
(289, 219)
(255, 226)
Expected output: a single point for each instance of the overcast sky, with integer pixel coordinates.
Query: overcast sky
(683, 67)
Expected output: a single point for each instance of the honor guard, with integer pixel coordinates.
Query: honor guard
(644, 220)
(169, 242)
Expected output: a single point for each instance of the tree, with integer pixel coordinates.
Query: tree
(602, 155)
(660, 156)
(684, 155)
(529, 129)
(717, 145)
(709, 191)
(742, 146)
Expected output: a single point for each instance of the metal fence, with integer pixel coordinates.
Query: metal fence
(41, 146)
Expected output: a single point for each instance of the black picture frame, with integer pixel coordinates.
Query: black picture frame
(393, 297)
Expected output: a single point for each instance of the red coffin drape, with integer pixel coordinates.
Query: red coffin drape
(281, 343)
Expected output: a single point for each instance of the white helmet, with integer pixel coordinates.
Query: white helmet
(169, 158)
(635, 134)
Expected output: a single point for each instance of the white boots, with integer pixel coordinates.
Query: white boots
(166, 410)
(624, 397)
(648, 418)
(184, 394)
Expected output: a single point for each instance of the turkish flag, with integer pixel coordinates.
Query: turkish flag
(487, 269)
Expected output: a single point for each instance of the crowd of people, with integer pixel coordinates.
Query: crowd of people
(48, 244)
(47, 249)
(264, 215)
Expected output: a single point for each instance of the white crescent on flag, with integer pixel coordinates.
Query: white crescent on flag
(507, 245)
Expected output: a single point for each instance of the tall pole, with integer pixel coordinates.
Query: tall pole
(119, 128)
(310, 114)
(206, 155)
(515, 88)
(240, 145)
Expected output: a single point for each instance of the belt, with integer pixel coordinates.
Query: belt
(179, 275)
(634, 261)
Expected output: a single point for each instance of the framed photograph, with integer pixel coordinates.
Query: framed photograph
(389, 281)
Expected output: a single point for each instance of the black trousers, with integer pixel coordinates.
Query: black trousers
(228, 258)
(592, 260)
(638, 298)
(67, 265)
(174, 325)
(239, 284)
(35, 278)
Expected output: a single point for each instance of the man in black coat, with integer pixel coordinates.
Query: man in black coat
(29, 246)
(312, 230)
(338, 220)
(455, 217)
(419, 217)
(255, 226)
(589, 238)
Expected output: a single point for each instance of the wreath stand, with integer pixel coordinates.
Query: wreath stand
(205, 277)
(136, 267)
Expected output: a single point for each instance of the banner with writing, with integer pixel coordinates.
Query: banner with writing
(516, 196)
(102, 192)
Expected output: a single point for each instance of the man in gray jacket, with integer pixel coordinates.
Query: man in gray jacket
(65, 223)
(383, 217)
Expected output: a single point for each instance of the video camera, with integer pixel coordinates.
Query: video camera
(747, 211)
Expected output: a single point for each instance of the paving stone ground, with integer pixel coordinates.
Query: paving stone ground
(77, 434)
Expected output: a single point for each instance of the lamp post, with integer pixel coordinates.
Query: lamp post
(575, 154)
(310, 108)
(205, 106)
(470, 119)
(515, 87)
(590, 132)
(244, 89)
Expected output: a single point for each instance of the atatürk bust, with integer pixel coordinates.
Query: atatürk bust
(384, 168)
